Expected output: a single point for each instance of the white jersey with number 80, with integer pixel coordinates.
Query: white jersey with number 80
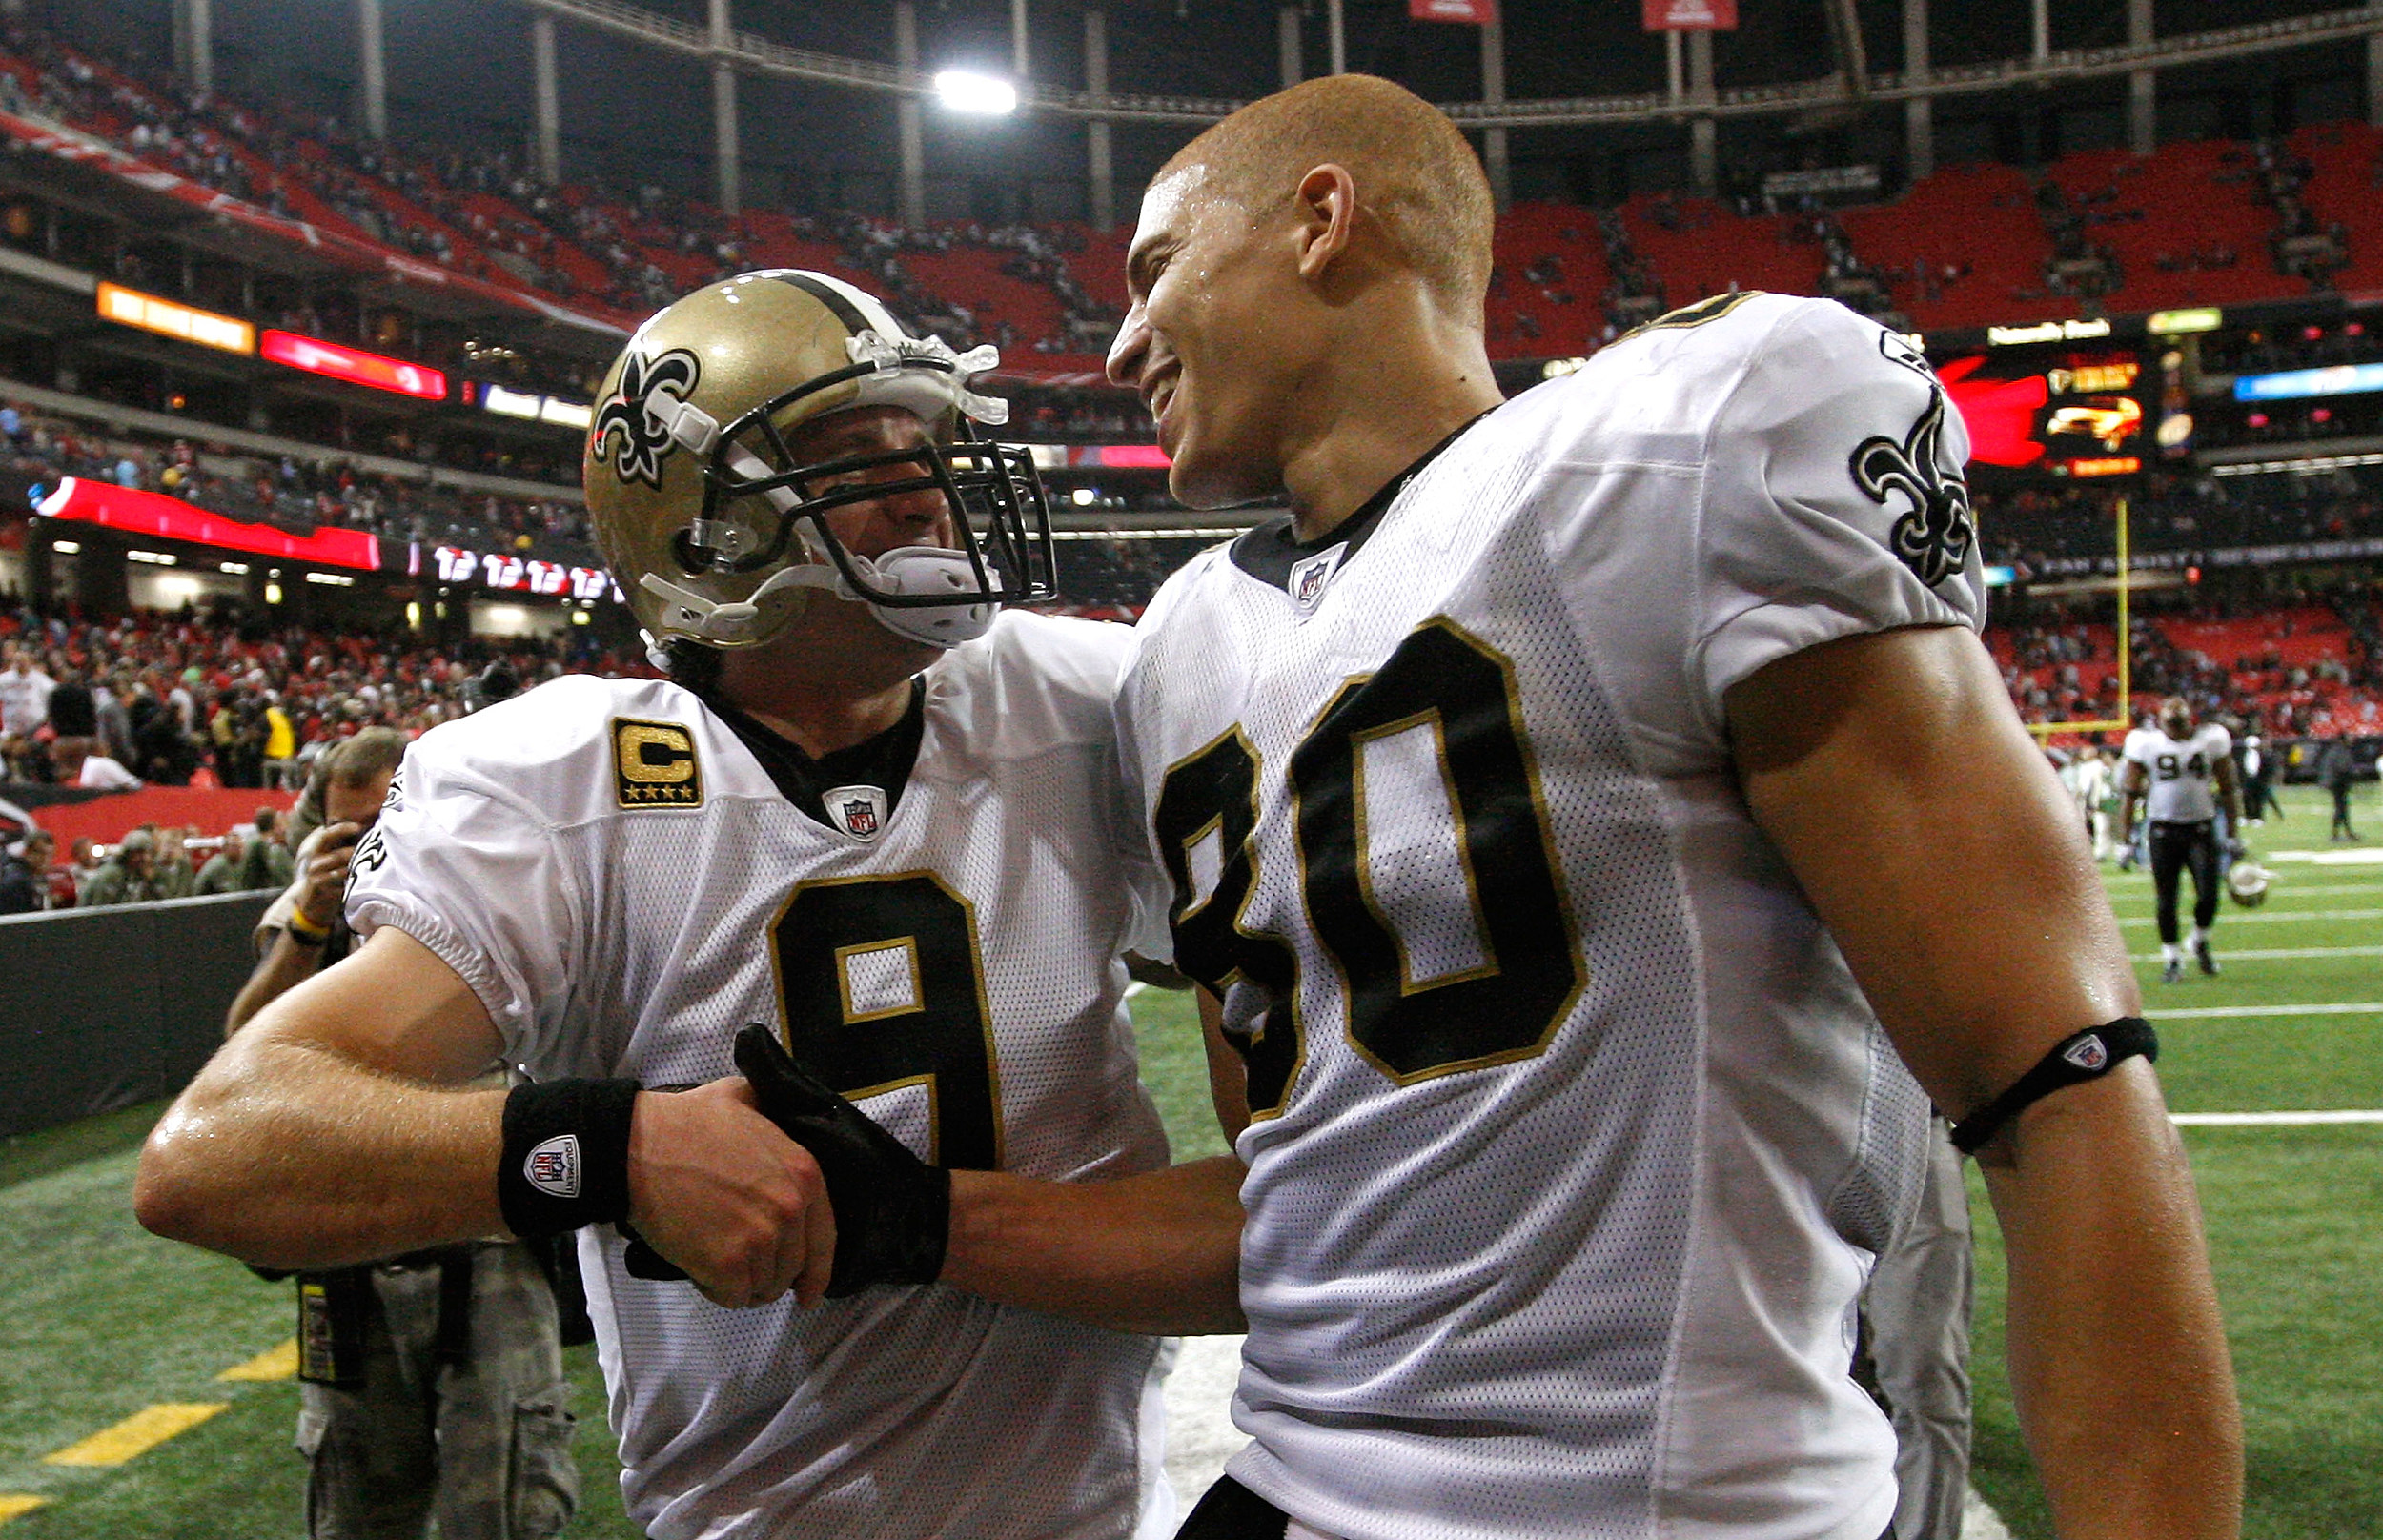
(1572, 1132)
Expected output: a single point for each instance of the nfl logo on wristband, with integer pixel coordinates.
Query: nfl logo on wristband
(554, 1166)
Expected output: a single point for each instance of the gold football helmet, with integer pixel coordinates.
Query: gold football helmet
(716, 533)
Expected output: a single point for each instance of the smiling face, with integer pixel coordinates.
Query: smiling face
(1216, 339)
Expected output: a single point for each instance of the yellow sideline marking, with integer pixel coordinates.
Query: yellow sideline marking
(272, 1363)
(137, 1434)
(11, 1504)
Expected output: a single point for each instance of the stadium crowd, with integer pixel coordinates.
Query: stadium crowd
(192, 698)
(482, 212)
(2035, 527)
(2295, 665)
(192, 701)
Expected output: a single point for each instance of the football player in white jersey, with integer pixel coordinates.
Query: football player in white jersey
(2170, 768)
(1586, 806)
(868, 812)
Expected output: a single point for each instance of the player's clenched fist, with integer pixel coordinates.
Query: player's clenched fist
(719, 1191)
(892, 1210)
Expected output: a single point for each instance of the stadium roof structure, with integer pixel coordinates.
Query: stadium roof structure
(751, 53)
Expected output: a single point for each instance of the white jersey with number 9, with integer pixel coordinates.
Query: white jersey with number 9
(623, 886)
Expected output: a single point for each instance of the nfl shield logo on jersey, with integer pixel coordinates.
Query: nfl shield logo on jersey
(1307, 580)
(859, 811)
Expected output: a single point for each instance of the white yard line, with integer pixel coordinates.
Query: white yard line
(1200, 1434)
(2351, 855)
(2280, 954)
(2271, 1120)
(1979, 1521)
(2212, 1012)
(2272, 916)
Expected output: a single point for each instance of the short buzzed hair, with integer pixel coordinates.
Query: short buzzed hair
(1413, 168)
(376, 751)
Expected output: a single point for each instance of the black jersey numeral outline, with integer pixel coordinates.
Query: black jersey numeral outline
(1506, 1008)
(942, 1040)
(1211, 794)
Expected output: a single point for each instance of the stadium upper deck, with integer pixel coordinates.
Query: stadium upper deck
(2210, 222)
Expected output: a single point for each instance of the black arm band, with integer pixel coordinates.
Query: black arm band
(2088, 1055)
(566, 1155)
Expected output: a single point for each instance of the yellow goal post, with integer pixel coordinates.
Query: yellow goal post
(2125, 721)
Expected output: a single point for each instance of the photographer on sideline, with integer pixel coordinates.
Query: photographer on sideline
(433, 1380)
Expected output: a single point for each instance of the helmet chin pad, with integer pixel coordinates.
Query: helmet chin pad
(931, 569)
(906, 570)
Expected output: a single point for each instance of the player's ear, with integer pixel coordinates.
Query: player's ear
(1327, 206)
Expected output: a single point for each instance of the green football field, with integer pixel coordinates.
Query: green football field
(114, 1345)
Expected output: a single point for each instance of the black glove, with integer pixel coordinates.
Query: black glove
(893, 1211)
(2236, 848)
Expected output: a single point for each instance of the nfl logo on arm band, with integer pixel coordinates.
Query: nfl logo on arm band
(2081, 1056)
(554, 1166)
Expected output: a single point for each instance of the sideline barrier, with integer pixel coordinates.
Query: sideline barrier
(106, 1009)
(104, 819)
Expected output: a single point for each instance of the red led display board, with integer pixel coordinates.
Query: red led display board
(169, 518)
(354, 365)
(1689, 15)
(2052, 411)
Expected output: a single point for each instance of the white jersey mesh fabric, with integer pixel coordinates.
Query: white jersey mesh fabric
(1560, 1181)
(964, 958)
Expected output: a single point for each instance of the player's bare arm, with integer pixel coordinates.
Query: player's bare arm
(2229, 790)
(2132, 782)
(333, 1129)
(1157, 1253)
(1938, 847)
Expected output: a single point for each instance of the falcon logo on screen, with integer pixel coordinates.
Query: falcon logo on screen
(1935, 533)
(626, 435)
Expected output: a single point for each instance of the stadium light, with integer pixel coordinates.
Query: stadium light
(965, 91)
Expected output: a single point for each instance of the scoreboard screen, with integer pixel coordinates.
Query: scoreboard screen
(2059, 411)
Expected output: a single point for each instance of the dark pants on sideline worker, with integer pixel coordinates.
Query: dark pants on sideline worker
(2175, 849)
(457, 1407)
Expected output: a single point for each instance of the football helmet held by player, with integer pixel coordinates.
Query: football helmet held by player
(2246, 881)
(715, 529)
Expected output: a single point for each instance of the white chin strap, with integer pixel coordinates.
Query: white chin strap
(911, 569)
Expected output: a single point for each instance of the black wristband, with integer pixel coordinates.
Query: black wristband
(2086, 1055)
(566, 1155)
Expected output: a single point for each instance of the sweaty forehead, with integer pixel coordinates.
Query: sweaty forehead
(1170, 206)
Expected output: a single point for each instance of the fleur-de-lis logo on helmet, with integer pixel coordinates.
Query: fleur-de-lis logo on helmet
(1934, 534)
(625, 435)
